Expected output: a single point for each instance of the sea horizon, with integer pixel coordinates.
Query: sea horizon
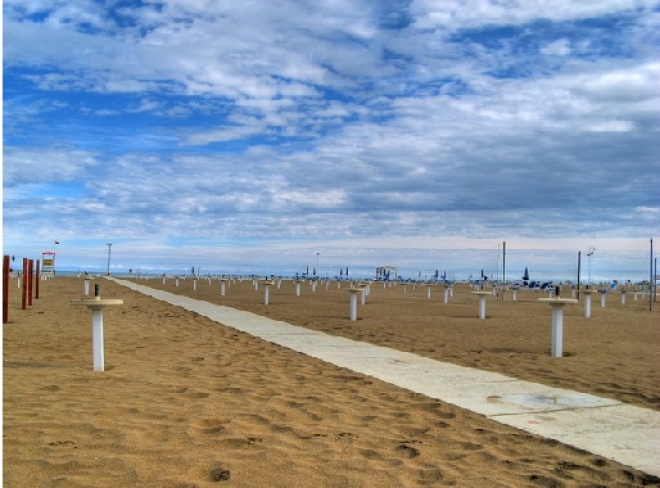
(354, 272)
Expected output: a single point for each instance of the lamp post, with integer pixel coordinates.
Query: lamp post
(318, 271)
(589, 254)
(109, 244)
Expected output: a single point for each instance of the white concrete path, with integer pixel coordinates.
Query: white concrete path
(624, 433)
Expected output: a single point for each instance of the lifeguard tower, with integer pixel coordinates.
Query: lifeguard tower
(48, 263)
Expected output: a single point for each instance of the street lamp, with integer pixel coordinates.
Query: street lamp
(109, 244)
(589, 254)
(318, 271)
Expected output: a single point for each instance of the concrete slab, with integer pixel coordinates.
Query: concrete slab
(627, 434)
(517, 397)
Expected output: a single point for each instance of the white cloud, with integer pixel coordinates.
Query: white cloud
(451, 14)
(346, 121)
(561, 47)
(611, 126)
(34, 166)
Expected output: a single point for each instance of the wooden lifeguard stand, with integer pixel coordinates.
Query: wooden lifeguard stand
(48, 263)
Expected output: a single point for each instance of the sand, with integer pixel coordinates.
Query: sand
(187, 402)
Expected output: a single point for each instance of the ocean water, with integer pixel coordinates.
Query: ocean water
(358, 272)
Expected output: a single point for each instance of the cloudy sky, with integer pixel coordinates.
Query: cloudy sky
(419, 134)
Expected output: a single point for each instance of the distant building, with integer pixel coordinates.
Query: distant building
(386, 273)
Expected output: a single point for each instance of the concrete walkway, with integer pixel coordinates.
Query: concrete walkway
(624, 433)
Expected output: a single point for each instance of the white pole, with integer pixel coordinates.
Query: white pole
(557, 331)
(297, 288)
(97, 340)
(482, 307)
(602, 300)
(446, 295)
(266, 294)
(222, 288)
(587, 306)
(86, 287)
(353, 305)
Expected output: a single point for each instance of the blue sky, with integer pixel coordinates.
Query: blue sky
(419, 134)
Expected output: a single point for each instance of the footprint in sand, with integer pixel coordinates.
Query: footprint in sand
(199, 394)
(407, 450)
(219, 474)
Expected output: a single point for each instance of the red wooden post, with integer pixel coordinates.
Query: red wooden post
(24, 290)
(5, 289)
(38, 279)
(30, 284)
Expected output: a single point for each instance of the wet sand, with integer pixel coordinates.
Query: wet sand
(186, 402)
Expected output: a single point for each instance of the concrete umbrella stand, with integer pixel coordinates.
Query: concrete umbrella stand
(557, 304)
(267, 285)
(587, 301)
(97, 305)
(446, 293)
(353, 303)
(482, 302)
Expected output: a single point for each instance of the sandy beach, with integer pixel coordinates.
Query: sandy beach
(186, 402)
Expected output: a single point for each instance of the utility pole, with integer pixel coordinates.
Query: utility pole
(503, 268)
(578, 276)
(109, 244)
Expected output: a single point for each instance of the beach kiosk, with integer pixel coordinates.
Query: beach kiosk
(48, 263)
